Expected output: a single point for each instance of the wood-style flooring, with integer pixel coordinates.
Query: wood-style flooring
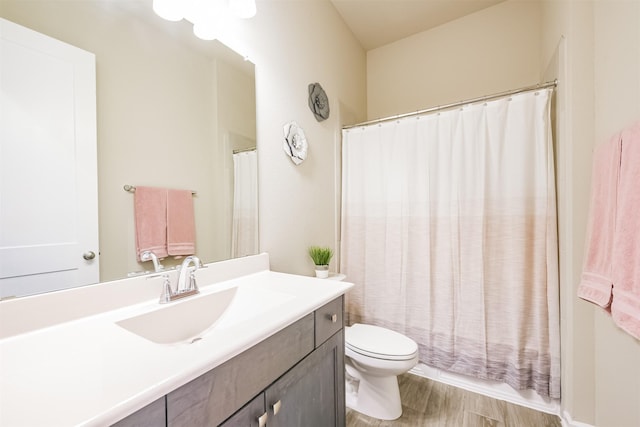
(430, 403)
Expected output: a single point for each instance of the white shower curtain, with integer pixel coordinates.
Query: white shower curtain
(449, 234)
(244, 234)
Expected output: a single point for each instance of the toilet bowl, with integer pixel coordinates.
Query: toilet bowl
(375, 356)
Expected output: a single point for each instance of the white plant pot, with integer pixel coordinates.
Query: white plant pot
(322, 271)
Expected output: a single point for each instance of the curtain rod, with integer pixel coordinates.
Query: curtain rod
(243, 150)
(552, 83)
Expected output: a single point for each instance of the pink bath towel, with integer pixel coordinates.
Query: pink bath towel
(625, 307)
(181, 228)
(596, 281)
(150, 206)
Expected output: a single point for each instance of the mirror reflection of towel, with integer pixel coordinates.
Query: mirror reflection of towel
(150, 207)
(165, 221)
(181, 230)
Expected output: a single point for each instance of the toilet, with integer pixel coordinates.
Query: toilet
(375, 356)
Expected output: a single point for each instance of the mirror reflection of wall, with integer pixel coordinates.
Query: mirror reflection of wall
(164, 101)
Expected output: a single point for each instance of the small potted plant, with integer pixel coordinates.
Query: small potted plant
(321, 257)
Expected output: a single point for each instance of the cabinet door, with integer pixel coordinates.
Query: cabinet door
(253, 414)
(312, 393)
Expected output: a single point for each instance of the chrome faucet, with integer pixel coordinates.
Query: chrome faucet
(186, 285)
(150, 256)
(182, 285)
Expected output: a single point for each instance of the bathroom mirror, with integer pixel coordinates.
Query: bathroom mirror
(171, 112)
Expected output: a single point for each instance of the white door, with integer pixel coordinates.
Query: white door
(48, 171)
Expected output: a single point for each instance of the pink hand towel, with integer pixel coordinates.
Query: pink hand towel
(150, 207)
(181, 228)
(625, 307)
(596, 281)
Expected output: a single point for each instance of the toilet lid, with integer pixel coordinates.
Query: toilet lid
(382, 343)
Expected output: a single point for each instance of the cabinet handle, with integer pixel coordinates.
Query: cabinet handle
(276, 407)
(262, 420)
(333, 317)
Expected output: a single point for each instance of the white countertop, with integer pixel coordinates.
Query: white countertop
(92, 372)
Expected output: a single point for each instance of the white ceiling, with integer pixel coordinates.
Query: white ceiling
(379, 22)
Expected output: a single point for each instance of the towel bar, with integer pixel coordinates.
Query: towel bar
(132, 189)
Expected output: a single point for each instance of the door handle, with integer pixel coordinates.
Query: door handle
(89, 255)
(276, 407)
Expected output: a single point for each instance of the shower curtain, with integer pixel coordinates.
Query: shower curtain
(449, 235)
(244, 234)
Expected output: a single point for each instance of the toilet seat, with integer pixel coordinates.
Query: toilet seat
(379, 343)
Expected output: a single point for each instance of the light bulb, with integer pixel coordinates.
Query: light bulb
(171, 10)
(205, 31)
(211, 20)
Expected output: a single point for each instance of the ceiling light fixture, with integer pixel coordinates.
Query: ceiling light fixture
(209, 17)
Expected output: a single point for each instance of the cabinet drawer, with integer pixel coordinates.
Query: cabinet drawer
(329, 320)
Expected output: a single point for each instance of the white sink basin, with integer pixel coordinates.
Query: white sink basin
(190, 320)
(182, 320)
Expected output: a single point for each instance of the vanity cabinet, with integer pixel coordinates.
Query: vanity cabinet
(293, 378)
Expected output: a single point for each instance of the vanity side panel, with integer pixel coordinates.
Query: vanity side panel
(213, 397)
(152, 415)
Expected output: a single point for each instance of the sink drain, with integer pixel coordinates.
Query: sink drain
(195, 339)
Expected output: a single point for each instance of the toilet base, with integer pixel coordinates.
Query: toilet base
(377, 397)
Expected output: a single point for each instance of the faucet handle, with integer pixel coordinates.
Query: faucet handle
(166, 294)
(193, 286)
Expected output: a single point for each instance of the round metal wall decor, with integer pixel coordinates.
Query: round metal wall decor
(295, 142)
(318, 102)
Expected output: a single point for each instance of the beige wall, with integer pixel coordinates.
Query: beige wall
(490, 51)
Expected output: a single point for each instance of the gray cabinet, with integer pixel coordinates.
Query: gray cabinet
(312, 393)
(293, 378)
